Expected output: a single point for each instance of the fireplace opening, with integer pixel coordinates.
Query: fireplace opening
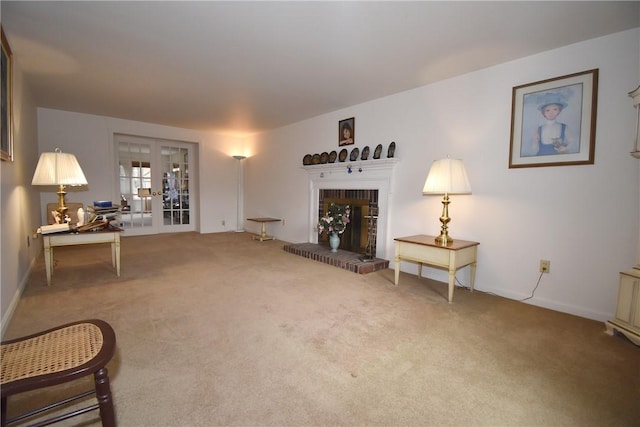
(361, 232)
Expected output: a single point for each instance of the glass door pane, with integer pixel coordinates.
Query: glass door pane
(134, 169)
(175, 161)
(155, 185)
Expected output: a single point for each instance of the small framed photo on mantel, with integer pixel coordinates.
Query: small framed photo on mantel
(553, 122)
(346, 132)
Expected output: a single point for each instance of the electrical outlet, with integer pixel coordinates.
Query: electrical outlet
(545, 266)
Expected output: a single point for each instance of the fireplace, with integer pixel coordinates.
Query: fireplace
(361, 232)
(365, 184)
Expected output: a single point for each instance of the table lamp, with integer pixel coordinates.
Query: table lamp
(59, 169)
(446, 176)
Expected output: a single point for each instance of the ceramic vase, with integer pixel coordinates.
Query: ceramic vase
(334, 241)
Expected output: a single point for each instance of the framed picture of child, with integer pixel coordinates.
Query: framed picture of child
(346, 131)
(553, 122)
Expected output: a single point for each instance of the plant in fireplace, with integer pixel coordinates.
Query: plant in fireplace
(334, 222)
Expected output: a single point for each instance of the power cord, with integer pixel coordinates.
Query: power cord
(460, 285)
(468, 288)
(534, 289)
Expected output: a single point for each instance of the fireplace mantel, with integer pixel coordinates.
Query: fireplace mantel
(365, 175)
(370, 168)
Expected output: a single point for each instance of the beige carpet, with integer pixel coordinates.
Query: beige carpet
(219, 329)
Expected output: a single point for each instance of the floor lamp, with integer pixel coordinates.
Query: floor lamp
(240, 194)
(635, 95)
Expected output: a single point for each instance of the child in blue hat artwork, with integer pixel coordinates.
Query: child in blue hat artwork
(552, 136)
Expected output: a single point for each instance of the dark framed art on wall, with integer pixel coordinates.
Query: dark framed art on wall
(6, 89)
(346, 131)
(553, 122)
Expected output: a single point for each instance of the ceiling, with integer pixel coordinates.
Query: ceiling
(243, 67)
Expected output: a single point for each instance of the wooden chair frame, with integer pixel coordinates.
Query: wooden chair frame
(95, 335)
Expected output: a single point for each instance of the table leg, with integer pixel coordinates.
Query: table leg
(472, 279)
(48, 261)
(113, 254)
(263, 231)
(452, 279)
(397, 265)
(117, 253)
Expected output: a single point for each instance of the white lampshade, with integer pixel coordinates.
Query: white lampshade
(447, 176)
(58, 168)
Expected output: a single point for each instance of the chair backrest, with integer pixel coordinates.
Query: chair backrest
(57, 356)
(72, 212)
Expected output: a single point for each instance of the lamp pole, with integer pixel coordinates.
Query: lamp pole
(240, 195)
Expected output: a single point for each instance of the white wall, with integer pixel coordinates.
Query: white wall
(18, 203)
(90, 138)
(582, 218)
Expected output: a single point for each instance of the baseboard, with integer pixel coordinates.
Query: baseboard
(552, 305)
(6, 318)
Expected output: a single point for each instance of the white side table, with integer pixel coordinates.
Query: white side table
(263, 229)
(86, 238)
(423, 249)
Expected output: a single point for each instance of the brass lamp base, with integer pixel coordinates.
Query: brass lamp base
(62, 206)
(444, 239)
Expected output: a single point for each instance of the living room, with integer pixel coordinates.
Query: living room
(583, 218)
(589, 222)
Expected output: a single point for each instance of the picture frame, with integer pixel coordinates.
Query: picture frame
(553, 121)
(347, 132)
(6, 91)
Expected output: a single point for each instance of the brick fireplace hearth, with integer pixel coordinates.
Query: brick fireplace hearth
(346, 260)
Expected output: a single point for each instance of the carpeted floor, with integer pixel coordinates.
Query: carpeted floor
(219, 329)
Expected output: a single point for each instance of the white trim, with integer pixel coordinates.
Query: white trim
(8, 314)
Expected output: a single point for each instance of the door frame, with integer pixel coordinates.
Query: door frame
(158, 227)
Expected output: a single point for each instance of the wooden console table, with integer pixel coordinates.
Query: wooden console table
(423, 249)
(263, 231)
(86, 238)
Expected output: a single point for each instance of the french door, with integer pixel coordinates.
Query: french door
(156, 186)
